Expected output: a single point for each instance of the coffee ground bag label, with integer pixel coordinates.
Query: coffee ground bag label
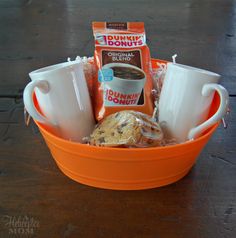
(123, 63)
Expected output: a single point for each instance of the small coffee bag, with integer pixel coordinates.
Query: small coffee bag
(123, 64)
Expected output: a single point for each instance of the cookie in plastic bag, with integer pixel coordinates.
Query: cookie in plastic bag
(127, 129)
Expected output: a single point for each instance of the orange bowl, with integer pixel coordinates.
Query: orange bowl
(122, 168)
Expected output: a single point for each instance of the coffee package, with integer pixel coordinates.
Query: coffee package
(123, 64)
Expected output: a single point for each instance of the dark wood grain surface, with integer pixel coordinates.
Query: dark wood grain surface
(38, 33)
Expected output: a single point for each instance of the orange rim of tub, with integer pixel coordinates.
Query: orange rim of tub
(122, 168)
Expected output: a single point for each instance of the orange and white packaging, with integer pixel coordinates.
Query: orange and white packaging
(123, 63)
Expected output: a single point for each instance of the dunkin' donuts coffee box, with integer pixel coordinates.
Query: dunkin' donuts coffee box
(123, 64)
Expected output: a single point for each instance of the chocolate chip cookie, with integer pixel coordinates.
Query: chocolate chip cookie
(127, 129)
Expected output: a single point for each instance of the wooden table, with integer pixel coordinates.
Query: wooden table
(39, 33)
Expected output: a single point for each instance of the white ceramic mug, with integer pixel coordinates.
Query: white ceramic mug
(185, 100)
(63, 97)
(121, 91)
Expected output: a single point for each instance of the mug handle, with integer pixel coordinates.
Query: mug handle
(43, 86)
(224, 100)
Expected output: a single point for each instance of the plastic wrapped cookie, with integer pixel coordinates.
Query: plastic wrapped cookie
(127, 129)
